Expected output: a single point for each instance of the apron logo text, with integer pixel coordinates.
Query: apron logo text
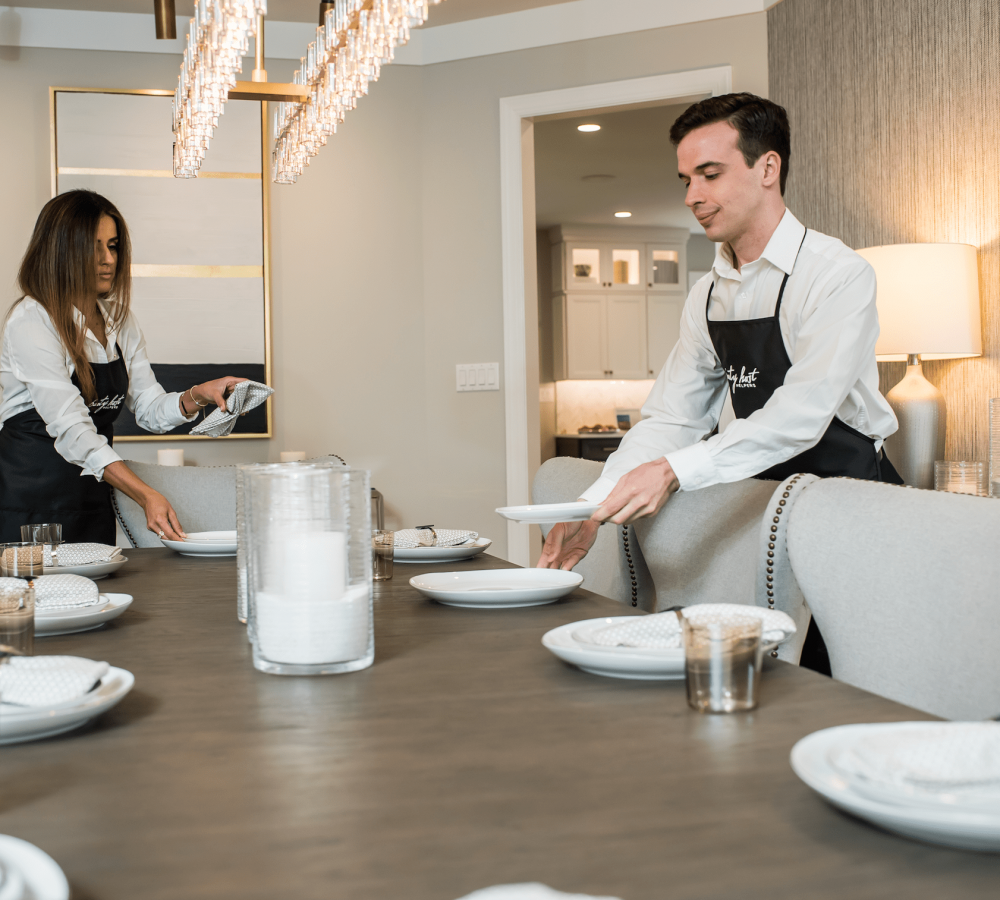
(743, 378)
(107, 403)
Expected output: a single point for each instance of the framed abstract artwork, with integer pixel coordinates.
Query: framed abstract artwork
(200, 254)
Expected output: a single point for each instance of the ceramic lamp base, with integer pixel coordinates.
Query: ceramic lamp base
(920, 409)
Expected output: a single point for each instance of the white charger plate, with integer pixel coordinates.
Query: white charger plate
(93, 571)
(43, 879)
(549, 513)
(962, 829)
(440, 554)
(497, 588)
(205, 543)
(31, 723)
(86, 618)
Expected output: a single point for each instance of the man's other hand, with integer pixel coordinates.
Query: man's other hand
(642, 492)
(567, 544)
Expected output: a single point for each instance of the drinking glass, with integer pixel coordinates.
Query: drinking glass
(382, 549)
(995, 447)
(722, 661)
(22, 559)
(17, 615)
(960, 477)
(309, 569)
(49, 534)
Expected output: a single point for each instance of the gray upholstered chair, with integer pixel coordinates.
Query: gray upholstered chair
(905, 588)
(204, 499)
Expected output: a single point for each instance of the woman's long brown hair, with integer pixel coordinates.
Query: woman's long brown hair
(60, 267)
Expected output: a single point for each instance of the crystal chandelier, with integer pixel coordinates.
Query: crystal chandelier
(356, 39)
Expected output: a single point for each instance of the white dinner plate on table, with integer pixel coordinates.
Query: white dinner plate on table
(31, 723)
(440, 554)
(93, 571)
(570, 644)
(550, 513)
(38, 873)
(962, 828)
(49, 623)
(497, 588)
(205, 543)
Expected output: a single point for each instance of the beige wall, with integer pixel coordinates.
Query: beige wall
(896, 139)
(386, 255)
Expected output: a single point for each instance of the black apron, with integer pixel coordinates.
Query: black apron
(38, 485)
(753, 356)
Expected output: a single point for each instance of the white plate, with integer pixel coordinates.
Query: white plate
(569, 643)
(205, 543)
(70, 621)
(547, 513)
(440, 554)
(30, 723)
(42, 876)
(497, 588)
(952, 828)
(93, 571)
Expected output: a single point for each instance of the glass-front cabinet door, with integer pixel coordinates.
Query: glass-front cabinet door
(625, 268)
(584, 266)
(664, 265)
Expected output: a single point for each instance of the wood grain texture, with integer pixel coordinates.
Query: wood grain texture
(466, 756)
(896, 139)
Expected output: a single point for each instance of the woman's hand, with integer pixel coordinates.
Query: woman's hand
(160, 516)
(215, 391)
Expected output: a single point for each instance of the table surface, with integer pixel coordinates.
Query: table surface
(466, 756)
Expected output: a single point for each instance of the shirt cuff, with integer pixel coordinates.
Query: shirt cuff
(178, 417)
(599, 490)
(99, 460)
(693, 466)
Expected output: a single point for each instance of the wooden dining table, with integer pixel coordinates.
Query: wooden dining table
(466, 756)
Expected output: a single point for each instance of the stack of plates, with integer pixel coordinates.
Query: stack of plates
(968, 819)
(497, 588)
(93, 571)
(441, 554)
(69, 621)
(205, 543)
(30, 723)
(27, 873)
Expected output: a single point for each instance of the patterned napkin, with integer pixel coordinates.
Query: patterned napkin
(47, 680)
(920, 763)
(663, 630)
(54, 592)
(412, 537)
(246, 395)
(82, 554)
(532, 891)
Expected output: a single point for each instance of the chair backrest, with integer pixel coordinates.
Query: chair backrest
(905, 588)
(204, 499)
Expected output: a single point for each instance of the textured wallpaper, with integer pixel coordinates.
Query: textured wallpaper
(895, 115)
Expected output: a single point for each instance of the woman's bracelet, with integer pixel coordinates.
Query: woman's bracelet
(194, 400)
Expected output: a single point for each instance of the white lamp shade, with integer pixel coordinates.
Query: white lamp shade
(928, 300)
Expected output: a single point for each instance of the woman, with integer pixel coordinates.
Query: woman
(72, 353)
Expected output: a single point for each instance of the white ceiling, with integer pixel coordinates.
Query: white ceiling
(634, 147)
(303, 10)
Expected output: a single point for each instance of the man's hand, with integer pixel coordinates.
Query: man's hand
(642, 492)
(567, 544)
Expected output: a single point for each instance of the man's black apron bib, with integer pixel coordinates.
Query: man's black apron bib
(38, 485)
(753, 356)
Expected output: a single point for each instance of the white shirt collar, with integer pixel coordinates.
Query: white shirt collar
(780, 252)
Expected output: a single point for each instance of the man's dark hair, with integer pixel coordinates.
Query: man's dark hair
(762, 126)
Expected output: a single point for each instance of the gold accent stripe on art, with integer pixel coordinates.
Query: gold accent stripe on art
(152, 173)
(143, 270)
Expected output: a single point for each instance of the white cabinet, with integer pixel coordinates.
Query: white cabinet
(617, 298)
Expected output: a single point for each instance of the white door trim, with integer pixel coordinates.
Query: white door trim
(514, 142)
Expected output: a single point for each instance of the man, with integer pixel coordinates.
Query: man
(785, 320)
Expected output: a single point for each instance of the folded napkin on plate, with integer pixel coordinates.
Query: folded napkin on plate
(530, 891)
(82, 554)
(960, 758)
(65, 592)
(663, 630)
(246, 395)
(421, 537)
(47, 680)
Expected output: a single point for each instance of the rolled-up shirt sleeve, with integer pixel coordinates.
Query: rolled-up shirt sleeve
(39, 361)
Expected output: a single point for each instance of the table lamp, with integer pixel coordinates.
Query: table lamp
(928, 308)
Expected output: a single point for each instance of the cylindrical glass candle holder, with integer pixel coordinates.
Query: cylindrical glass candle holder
(960, 477)
(309, 569)
(995, 447)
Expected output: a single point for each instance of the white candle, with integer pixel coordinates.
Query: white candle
(293, 455)
(170, 457)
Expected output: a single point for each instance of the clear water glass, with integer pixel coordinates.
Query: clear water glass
(383, 546)
(17, 616)
(722, 662)
(961, 477)
(22, 559)
(49, 534)
(995, 447)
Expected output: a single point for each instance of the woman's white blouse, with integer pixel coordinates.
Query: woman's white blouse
(36, 371)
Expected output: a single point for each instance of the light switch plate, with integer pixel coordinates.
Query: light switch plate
(477, 377)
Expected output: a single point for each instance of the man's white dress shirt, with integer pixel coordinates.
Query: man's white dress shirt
(829, 326)
(35, 371)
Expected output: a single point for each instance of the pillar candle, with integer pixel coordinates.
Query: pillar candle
(170, 457)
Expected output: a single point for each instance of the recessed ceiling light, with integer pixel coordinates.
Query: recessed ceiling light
(623, 215)
(588, 127)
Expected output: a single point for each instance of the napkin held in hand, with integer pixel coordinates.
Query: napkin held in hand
(246, 395)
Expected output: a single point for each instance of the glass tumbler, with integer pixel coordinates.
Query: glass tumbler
(17, 615)
(960, 477)
(383, 546)
(22, 559)
(309, 569)
(995, 447)
(722, 661)
(49, 534)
